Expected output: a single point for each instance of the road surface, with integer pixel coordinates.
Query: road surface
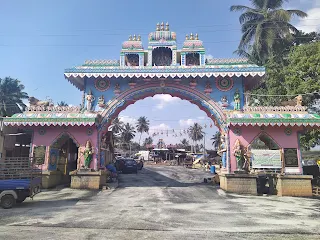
(161, 202)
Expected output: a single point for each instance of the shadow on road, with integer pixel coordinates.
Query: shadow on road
(152, 178)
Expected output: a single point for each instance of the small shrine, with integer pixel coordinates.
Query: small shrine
(254, 139)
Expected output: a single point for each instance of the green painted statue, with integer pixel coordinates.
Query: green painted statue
(236, 99)
(88, 154)
(238, 154)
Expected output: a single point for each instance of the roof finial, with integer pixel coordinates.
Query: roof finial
(187, 37)
(134, 37)
(158, 27)
(130, 38)
(191, 36)
(197, 37)
(139, 38)
(167, 26)
(162, 26)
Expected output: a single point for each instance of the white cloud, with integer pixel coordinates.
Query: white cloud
(201, 118)
(161, 126)
(186, 122)
(127, 119)
(312, 22)
(164, 100)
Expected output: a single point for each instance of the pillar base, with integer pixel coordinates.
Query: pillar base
(294, 185)
(239, 183)
(88, 179)
(51, 179)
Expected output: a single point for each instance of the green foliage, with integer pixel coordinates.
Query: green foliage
(128, 133)
(195, 132)
(297, 73)
(265, 28)
(117, 126)
(216, 140)
(148, 141)
(142, 126)
(62, 104)
(11, 97)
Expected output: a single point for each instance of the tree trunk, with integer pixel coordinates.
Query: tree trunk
(140, 139)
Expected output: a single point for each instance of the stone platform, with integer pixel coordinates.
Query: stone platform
(239, 183)
(88, 179)
(294, 185)
(51, 179)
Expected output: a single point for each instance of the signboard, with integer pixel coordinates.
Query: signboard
(291, 157)
(266, 158)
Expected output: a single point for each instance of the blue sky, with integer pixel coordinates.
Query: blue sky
(40, 38)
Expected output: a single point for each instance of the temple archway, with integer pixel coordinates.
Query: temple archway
(205, 103)
(194, 96)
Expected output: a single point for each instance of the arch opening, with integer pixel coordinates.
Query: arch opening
(206, 104)
(63, 155)
(194, 96)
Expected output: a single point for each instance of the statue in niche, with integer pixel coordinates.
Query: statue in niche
(223, 150)
(90, 98)
(104, 142)
(247, 159)
(236, 99)
(101, 101)
(88, 154)
(237, 151)
(299, 100)
(224, 102)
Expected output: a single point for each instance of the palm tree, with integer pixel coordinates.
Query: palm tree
(117, 126)
(216, 140)
(185, 143)
(142, 126)
(11, 97)
(128, 133)
(148, 141)
(195, 132)
(264, 27)
(62, 104)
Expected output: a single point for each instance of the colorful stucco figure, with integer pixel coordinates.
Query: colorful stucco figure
(90, 98)
(236, 99)
(237, 151)
(88, 154)
(223, 151)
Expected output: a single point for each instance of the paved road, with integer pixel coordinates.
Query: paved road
(161, 203)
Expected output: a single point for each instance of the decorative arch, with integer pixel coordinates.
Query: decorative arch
(268, 136)
(194, 96)
(69, 135)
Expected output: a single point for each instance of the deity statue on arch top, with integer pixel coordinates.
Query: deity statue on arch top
(90, 98)
(237, 100)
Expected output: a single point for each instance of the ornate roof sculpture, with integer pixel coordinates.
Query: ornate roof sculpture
(162, 37)
(162, 34)
(192, 43)
(52, 116)
(133, 44)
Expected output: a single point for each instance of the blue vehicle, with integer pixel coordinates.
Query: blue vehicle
(130, 166)
(19, 179)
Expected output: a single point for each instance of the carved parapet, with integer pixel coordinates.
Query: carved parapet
(52, 109)
(275, 109)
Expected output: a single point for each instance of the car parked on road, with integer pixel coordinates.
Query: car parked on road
(130, 166)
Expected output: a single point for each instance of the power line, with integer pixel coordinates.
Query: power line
(183, 27)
